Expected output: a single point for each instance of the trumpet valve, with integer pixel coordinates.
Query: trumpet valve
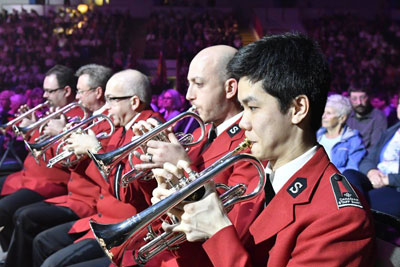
(149, 237)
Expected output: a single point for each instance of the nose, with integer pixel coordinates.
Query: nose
(45, 94)
(107, 106)
(357, 101)
(190, 94)
(245, 123)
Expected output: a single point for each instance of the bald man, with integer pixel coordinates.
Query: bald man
(213, 90)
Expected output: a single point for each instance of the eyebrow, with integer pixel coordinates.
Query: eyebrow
(194, 78)
(248, 99)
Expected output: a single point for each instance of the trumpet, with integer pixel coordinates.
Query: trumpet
(66, 154)
(9, 125)
(37, 149)
(115, 236)
(107, 161)
(133, 174)
(20, 131)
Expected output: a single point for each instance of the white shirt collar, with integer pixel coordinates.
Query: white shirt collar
(285, 172)
(100, 110)
(223, 126)
(131, 122)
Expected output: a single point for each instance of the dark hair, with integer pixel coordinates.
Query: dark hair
(288, 65)
(357, 87)
(98, 75)
(65, 76)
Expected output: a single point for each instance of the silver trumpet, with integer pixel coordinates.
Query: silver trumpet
(114, 238)
(107, 161)
(21, 131)
(10, 124)
(65, 155)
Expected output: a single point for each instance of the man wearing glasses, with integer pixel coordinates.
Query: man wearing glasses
(37, 182)
(82, 190)
(128, 96)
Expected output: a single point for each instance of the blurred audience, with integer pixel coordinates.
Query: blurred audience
(31, 44)
(181, 34)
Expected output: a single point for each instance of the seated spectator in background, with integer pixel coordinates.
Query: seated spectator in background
(35, 97)
(5, 105)
(379, 178)
(17, 100)
(378, 101)
(343, 145)
(369, 121)
(160, 103)
(153, 104)
(171, 103)
(391, 110)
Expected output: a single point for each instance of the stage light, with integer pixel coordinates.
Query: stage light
(83, 8)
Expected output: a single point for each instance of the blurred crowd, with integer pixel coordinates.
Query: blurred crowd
(361, 53)
(181, 34)
(30, 43)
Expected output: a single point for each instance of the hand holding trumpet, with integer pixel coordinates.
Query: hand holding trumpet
(31, 118)
(80, 143)
(158, 152)
(198, 220)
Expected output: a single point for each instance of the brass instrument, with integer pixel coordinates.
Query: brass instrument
(133, 174)
(66, 154)
(9, 125)
(115, 236)
(37, 149)
(21, 131)
(107, 161)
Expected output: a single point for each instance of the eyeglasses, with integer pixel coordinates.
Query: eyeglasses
(81, 92)
(49, 91)
(115, 99)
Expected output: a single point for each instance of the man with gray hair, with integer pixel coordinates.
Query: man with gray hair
(92, 80)
(78, 202)
(128, 95)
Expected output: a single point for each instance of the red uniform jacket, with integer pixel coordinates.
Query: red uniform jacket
(307, 229)
(48, 182)
(191, 253)
(82, 190)
(109, 209)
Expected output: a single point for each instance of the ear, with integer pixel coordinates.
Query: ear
(68, 91)
(300, 108)
(342, 119)
(231, 86)
(135, 102)
(99, 93)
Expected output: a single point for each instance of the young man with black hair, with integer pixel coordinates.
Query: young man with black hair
(315, 218)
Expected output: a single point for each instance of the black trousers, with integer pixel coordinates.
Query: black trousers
(29, 221)
(55, 247)
(8, 206)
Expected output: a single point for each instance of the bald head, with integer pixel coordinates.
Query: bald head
(211, 89)
(130, 82)
(216, 59)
